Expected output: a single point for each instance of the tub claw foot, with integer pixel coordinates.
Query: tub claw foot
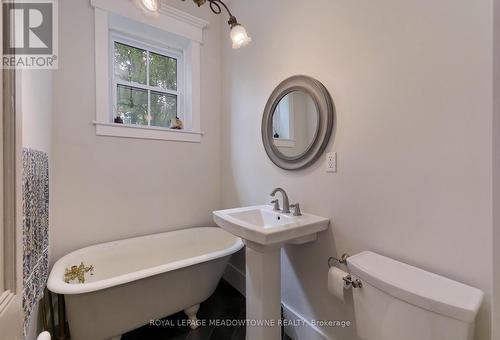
(191, 313)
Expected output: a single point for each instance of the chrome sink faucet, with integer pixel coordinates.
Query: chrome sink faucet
(286, 204)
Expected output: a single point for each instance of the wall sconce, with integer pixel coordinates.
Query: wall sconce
(239, 35)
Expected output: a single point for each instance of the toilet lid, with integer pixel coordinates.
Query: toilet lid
(416, 286)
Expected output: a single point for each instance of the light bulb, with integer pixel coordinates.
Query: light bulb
(150, 6)
(239, 36)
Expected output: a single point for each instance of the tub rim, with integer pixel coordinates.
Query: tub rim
(57, 285)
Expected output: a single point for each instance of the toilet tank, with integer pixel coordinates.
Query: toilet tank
(398, 301)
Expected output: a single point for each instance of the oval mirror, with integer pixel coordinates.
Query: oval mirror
(297, 123)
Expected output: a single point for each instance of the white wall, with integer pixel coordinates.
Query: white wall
(36, 109)
(496, 173)
(412, 84)
(35, 106)
(108, 188)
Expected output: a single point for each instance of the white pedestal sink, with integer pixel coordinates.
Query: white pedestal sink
(264, 232)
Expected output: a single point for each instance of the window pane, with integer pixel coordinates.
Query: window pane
(132, 105)
(130, 63)
(163, 109)
(163, 72)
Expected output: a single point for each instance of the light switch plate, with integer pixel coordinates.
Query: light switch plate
(331, 162)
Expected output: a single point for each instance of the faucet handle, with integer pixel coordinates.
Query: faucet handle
(296, 209)
(276, 205)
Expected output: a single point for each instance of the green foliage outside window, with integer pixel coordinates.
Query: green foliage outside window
(163, 72)
(132, 105)
(131, 66)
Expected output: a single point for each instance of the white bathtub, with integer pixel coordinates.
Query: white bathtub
(141, 279)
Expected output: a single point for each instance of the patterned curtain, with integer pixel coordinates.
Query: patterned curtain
(35, 191)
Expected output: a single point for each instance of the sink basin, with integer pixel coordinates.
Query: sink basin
(261, 225)
(264, 231)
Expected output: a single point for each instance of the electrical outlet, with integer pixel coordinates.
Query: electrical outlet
(331, 162)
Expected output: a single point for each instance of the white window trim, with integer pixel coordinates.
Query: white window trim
(170, 20)
(291, 141)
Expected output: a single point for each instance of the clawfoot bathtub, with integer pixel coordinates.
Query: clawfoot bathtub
(141, 279)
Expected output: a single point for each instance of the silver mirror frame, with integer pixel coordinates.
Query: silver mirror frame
(326, 116)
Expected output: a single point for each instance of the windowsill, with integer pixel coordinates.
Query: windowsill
(284, 142)
(146, 132)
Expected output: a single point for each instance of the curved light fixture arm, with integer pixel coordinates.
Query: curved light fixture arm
(216, 7)
(239, 34)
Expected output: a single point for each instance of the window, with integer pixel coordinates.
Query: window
(284, 123)
(147, 72)
(147, 86)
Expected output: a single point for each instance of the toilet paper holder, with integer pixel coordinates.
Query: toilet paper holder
(349, 281)
(332, 260)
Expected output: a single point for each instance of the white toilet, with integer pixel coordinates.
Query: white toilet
(398, 301)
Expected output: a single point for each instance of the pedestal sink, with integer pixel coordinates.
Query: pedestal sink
(264, 232)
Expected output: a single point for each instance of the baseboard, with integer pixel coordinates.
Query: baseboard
(235, 278)
(303, 329)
